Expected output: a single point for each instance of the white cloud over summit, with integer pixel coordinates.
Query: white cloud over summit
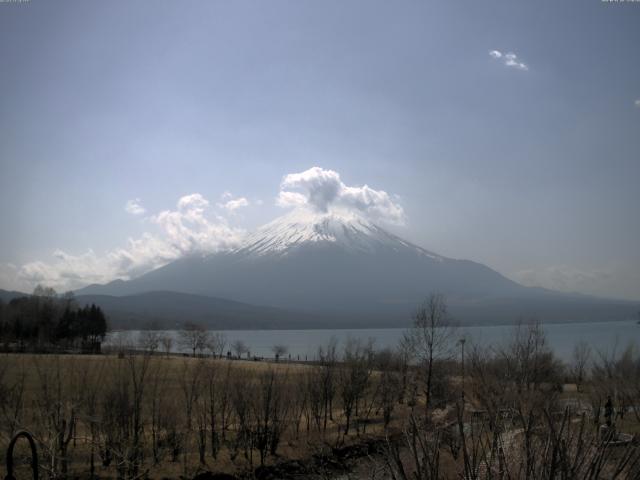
(323, 190)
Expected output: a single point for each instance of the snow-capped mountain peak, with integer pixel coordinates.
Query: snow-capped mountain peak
(300, 228)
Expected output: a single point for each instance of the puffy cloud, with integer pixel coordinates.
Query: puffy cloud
(323, 190)
(68, 271)
(637, 103)
(321, 187)
(10, 278)
(188, 230)
(510, 59)
(236, 203)
(195, 203)
(134, 207)
(291, 199)
(232, 204)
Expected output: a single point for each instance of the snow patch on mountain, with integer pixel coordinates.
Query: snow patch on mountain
(344, 230)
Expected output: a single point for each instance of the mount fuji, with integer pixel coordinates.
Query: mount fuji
(340, 269)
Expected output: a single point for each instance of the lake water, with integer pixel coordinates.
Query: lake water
(604, 337)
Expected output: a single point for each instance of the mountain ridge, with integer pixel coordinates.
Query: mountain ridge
(345, 268)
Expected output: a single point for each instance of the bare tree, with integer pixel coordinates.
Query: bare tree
(194, 337)
(354, 377)
(157, 407)
(91, 378)
(314, 392)
(138, 371)
(521, 433)
(224, 402)
(239, 348)
(57, 406)
(149, 340)
(217, 344)
(270, 412)
(191, 378)
(167, 343)
(580, 361)
(529, 357)
(616, 375)
(403, 356)
(563, 447)
(212, 404)
(201, 409)
(299, 402)
(242, 405)
(422, 460)
(628, 367)
(121, 430)
(122, 342)
(430, 338)
(279, 351)
(389, 381)
(328, 359)
(12, 398)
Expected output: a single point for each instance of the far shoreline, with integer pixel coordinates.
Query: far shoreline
(358, 327)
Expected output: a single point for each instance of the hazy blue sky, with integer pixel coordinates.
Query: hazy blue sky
(528, 162)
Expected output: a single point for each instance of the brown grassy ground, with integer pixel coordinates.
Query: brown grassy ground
(80, 370)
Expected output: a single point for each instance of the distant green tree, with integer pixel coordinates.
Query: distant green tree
(97, 325)
(66, 327)
(45, 318)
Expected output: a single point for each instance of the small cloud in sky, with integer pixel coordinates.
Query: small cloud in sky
(134, 207)
(509, 59)
(236, 203)
(637, 103)
(231, 204)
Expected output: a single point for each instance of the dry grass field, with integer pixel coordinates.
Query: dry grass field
(133, 415)
(172, 416)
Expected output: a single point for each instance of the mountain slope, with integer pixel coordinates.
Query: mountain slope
(348, 269)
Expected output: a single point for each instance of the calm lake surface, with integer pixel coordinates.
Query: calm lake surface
(604, 337)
